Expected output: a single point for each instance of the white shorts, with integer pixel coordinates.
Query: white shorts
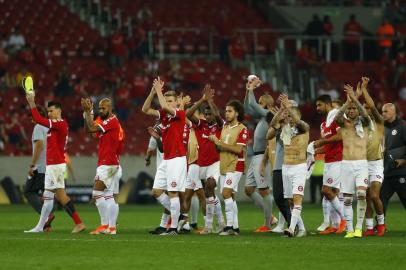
(212, 171)
(55, 176)
(332, 174)
(230, 180)
(107, 174)
(294, 179)
(192, 179)
(116, 180)
(171, 174)
(254, 178)
(375, 171)
(354, 173)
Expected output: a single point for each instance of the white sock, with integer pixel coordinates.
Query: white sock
(218, 210)
(194, 210)
(101, 206)
(348, 213)
(209, 212)
(361, 208)
(326, 210)
(46, 209)
(175, 212)
(112, 209)
(335, 218)
(229, 206)
(165, 201)
(235, 224)
(380, 219)
(267, 210)
(258, 201)
(369, 223)
(297, 210)
(281, 221)
(164, 220)
(335, 204)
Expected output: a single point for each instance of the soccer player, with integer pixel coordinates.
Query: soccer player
(375, 165)
(36, 173)
(208, 157)
(110, 136)
(55, 163)
(232, 147)
(354, 167)
(333, 150)
(294, 134)
(255, 181)
(171, 174)
(155, 144)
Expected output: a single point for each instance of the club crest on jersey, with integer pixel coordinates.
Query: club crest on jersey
(402, 180)
(366, 180)
(394, 132)
(378, 176)
(330, 180)
(229, 181)
(173, 184)
(300, 188)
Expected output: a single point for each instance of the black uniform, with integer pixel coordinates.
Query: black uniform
(395, 148)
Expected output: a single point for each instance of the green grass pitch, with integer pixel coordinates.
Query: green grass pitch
(134, 248)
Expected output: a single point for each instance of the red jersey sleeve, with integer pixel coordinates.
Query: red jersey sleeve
(39, 119)
(109, 125)
(243, 137)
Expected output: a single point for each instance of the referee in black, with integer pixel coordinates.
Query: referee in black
(34, 185)
(394, 156)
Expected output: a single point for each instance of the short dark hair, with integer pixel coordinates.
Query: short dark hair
(325, 99)
(239, 108)
(56, 104)
(42, 111)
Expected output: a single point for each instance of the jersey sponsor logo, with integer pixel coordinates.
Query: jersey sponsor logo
(173, 184)
(300, 188)
(394, 132)
(229, 181)
(378, 176)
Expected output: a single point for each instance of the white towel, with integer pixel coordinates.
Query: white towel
(287, 133)
(359, 129)
(310, 159)
(330, 117)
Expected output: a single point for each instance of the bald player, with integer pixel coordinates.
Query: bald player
(257, 187)
(354, 122)
(394, 156)
(108, 164)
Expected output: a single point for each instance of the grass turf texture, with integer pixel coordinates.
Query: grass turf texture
(134, 248)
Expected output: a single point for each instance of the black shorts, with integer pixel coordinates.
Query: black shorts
(35, 183)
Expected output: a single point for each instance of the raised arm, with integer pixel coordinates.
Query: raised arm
(35, 114)
(339, 118)
(370, 102)
(255, 108)
(207, 94)
(87, 106)
(159, 85)
(146, 108)
(364, 114)
(216, 112)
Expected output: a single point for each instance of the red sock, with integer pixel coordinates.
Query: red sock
(76, 218)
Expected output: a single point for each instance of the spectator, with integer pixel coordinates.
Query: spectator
(328, 26)
(305, 58)
(15, 42)
(122, 100)
(118, 50)
(394, 156)
(352, 33)
(175, 74)
(26, 54)
(15, 130)
(224, 31)
(137, 93)
(385, 33)
(63, 87)
(139, 42)
(237, 51)
(315, 28)
(326, 88)
(144, 14)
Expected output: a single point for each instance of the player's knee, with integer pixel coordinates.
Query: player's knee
(348, 201)
(227, 193)
(361, 194)
(156, 193)
(327, 192)
(249, 191)
(264, 192)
